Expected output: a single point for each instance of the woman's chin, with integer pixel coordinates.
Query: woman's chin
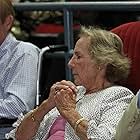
(77, 82)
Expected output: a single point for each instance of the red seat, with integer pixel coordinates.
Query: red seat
(130, 35)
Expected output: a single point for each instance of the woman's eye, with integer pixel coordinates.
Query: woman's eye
(78, 57)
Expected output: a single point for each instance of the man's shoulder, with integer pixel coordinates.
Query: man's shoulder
(27, 48)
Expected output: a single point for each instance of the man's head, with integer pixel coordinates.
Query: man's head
(6, 18)
(6, 9)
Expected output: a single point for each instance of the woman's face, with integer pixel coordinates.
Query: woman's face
(83, 67)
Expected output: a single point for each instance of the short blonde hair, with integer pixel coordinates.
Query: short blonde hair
(107, 49)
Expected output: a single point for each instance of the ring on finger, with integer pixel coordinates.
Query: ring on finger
(56, 88)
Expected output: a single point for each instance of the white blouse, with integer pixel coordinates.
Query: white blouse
(102, 110)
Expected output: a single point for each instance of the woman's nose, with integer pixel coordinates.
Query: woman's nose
(70, 63)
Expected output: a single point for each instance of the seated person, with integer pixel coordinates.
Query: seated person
(89, 108)
(18, 72)
(129, 125)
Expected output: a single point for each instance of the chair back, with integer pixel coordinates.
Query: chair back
(130, 35)
(51, 69)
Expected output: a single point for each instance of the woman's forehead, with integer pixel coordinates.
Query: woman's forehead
(82, 44)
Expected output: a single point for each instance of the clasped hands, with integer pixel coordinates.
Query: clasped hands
(63, 96)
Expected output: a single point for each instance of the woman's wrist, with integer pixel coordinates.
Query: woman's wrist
(71, 116)
(47, 105)
(38, 113)
(33, 117)
(78, 123)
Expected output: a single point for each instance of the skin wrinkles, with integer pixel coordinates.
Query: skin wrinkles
(84, 68)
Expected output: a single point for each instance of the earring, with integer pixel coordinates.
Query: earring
(99, 68)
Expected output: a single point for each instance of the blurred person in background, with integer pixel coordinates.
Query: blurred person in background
(89, 108)
(18, 72)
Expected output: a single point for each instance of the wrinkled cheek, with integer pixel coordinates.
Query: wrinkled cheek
(77, 80)
(80, 79)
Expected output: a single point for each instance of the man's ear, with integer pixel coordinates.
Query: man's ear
(8, 22)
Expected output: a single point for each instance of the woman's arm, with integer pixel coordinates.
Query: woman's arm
(78, 123)
(31, 122)
(66, 104)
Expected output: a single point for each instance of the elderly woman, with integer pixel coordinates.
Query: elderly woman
(89, 108)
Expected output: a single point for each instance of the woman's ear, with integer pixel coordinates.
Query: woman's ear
(102, 69)
(8, 22)
(102, 66)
